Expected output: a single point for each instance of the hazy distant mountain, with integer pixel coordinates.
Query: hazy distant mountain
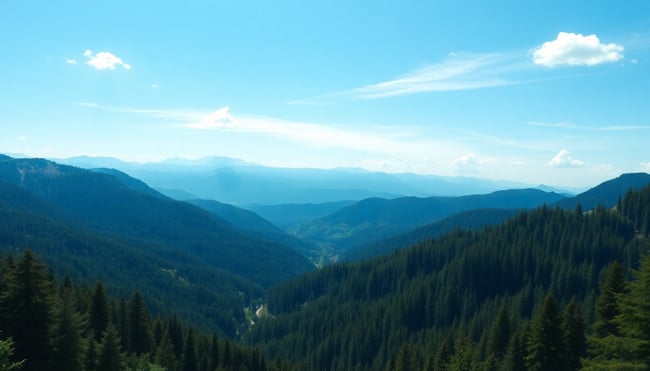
(242, 183)
(241, 218)
(132, 183)
(286, 215)
(607, 193)
(255, 225)
(375, 218)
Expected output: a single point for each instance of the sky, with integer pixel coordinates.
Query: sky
(552, 92)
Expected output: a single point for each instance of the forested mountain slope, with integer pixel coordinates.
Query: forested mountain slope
(359, 315)
(607, 193)
(101, 201)
(255, 225)
(375, 218)
(59, 326)
(467, 220)
(173, 280)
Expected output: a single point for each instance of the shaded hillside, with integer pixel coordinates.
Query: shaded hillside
(607, 193)
(132, 183)
(173, 280)
(467, 220)
(241, 218)
(255, 225)
(59, 325)
(103, 202)
(374, 219)
(286, 215)
(451, 287)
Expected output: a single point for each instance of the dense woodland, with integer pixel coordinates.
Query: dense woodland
(49, 326)
(508, 297)
(550, 288)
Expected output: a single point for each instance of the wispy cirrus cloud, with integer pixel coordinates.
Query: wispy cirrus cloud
(568, 125)
(379, 140)
(457, 72)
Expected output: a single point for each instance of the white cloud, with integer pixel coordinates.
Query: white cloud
(457, 72)
(220, 118)
(71, 61)
(576, 50)
(104, 60)
(645, 166)
(567, 125)
(634, 61)
(468, 163)
(469, 159)
(564, 159)
(154, 86)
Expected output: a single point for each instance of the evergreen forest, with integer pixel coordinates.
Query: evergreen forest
(550, 288)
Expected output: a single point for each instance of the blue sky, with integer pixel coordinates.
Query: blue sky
(550, 92)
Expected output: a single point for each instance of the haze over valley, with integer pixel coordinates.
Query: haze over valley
(296, 186)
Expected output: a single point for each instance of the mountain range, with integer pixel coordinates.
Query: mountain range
(241, 183)
(102, 223)
(75, 216)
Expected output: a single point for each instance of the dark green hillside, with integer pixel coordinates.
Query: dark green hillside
(241, 218)
(103, 202)
(59, 326)
(132, 183)
(442, 296)
(607, 193)
(467, 220)
(257, 226)
(375, 218)
(286, 215)
(173, 281)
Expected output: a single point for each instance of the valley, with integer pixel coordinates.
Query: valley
(304, 284)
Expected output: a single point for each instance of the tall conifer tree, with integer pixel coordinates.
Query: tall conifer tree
(546, 347)
(26, 308)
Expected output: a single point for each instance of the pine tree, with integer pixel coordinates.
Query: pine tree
(110, 357)
(573, 327)
(464, 357)
(546, 349)
(26, 309)
(515, 357)
(66, 336)
(499, 335)
(6, 353)
(444, 353)
(214, 352)
(90, 356)
(98, 315)
(607, 308)
(634, 318)
(404, 361)
(165, 355)
(141, 334)
(189, 353)
(124, 326)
